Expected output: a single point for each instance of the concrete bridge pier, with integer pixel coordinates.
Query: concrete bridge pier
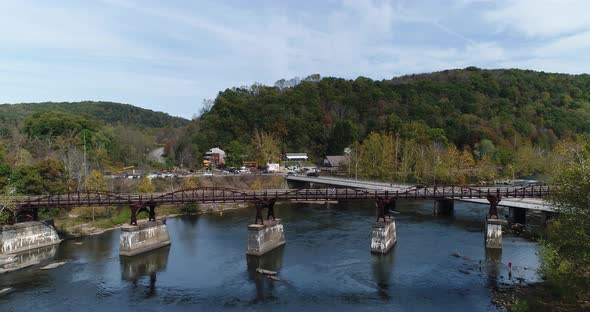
(493, 238)
(494, 233)
(264, 236)
(143, 237)
(383, 233)
(444, 207)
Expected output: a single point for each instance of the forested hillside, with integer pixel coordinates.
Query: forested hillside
(51, 147)
(107, 112)
(487, 113)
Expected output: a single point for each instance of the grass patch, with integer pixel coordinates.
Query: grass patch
(71, 222)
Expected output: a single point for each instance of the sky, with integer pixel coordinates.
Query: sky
(170, 55)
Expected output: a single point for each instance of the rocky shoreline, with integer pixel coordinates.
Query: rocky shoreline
(534, 297)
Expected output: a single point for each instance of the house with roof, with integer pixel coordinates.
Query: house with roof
(335, 163)
(215, 156)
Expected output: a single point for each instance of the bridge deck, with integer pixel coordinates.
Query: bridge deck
(342, 182)
(208, 195)
(526, 203)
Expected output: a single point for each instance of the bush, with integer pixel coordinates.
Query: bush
(189, 209)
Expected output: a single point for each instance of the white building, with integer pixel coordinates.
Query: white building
(296, 156)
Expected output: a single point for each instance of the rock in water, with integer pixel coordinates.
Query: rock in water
(53, 265)
(5, 291)
(266, 272)
(7, 260)
(274, 278)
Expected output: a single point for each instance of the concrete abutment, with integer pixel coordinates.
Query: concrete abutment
(25, 236)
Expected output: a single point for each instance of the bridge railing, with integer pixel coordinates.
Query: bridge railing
(206, 195)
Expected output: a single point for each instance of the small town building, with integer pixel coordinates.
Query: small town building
(272, 167)
(335, 163)
(215, 156)
(296, 156)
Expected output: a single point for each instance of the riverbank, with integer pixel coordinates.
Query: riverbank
(76, 223)
(535, 297)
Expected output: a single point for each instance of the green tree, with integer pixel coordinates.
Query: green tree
(342, 135)
(45, 177)
(7, 208)
(5, 169)
(234, 154)
(377, 156)
(566, 250)
(55, 123)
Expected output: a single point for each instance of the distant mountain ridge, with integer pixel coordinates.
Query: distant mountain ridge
(108, 112)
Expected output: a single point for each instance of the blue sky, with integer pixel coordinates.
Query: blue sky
(170, 55)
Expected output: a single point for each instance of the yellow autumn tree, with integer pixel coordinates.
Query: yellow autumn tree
(190, 183)
(266, 147)
(146, 186)
(95, 182)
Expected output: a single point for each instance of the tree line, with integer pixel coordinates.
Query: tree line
(492, 122)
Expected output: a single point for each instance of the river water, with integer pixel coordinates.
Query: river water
(325, 265)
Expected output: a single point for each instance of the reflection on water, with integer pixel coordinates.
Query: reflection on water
(271, 261)
(27, 258)
(148, 264)
(493, 263)
(145, 264)
(382, 272)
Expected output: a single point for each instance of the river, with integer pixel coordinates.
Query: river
(326, 265)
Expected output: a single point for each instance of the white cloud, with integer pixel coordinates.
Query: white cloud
(541, 18)
(575, 44)
(175, 54)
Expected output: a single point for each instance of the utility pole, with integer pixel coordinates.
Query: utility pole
(85, 164)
